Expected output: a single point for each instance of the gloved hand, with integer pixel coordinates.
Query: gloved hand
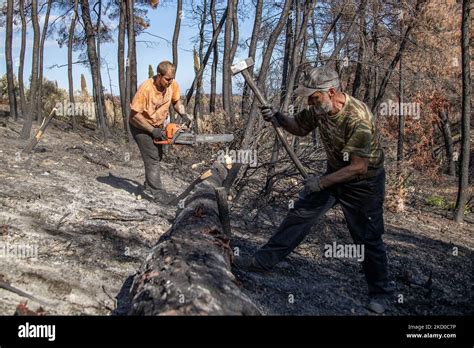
(267, 112)
(158, 134)
(187, 119)
(312, 184)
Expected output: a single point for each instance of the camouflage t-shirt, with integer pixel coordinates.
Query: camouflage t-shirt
(350, 131)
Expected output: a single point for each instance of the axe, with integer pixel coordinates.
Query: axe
(242, 67)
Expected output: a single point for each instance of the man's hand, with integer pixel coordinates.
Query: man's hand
(187, 119)
(158, 134)
(267, 113)
(312, 184)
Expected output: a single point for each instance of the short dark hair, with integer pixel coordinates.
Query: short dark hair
(165, 66)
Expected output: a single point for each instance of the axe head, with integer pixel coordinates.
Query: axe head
(242, 65)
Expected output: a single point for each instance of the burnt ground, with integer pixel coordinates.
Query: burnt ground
(92, 232)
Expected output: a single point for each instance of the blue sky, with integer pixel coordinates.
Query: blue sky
(161, 23)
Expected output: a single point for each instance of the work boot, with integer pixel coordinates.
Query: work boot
(164, 197)
(378, 303)
(158, 196)
(247, 263)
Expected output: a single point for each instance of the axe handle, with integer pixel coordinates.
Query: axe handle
(261, 98)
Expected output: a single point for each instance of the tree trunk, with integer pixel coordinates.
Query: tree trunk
(250, 128)
(210, 48)
(21, 85)
(401, 119)
(39, 106)
(69, 61)
(9, 61)
(235, 31)
(28, 120)
(463, 189)
(393, 64)
(295, 54)
(348, 32)
(252, 51)
(177, 27)
(121, 67)
(188, 271)
(99, 60)
(226, 72)
(215, 60)
(95, 67)
(111, 94)
(289, 41)
(359, 72)
(199, 87)
(448, 141)
(132, 53)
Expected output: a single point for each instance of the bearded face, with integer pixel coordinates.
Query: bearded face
(321, 103)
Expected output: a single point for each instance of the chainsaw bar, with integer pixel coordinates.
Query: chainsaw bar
(194, 139)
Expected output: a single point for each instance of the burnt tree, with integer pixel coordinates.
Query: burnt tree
(188, 272)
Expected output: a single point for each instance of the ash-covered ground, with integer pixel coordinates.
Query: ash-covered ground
(87, 232)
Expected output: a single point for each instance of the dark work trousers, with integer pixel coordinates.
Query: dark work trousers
(152, 154)
(362, 204)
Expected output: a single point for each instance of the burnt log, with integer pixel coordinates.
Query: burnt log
(188, 272)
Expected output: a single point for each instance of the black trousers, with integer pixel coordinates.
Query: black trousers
(362, 204)
(151, 154)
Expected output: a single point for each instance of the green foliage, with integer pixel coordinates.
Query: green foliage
(436, 201)
(441, 203)
(4, 87)
(52, 95)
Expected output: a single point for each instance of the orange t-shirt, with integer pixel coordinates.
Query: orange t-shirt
(153, 104)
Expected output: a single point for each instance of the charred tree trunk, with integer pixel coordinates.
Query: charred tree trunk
(121, 67)
(235, 31)
(28, 120)
(177, 27)
(212, 44)
(69, 60)
(215, 60)
(21, 85)
(39, 106)
(250, 128)
(99, 60)
(393, 64)
(95, 67)
(199, 86)
(132, 53)
(227, 62)
(9, 61)
(463, 188)
(359, 72)
(295, 54)
(252, 51)
(289, 41)
(188, 271)
(448, 141)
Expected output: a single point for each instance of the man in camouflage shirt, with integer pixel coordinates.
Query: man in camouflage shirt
(355, 178)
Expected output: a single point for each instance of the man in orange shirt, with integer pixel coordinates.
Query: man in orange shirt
(149, 110)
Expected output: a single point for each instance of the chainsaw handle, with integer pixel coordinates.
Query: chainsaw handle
(161, 142)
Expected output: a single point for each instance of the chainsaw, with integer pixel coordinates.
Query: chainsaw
(180, 134)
